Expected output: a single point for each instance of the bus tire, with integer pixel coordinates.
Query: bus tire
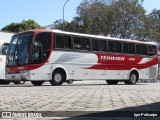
(58, 77)
(37, 83)
(112, 82)
(69, 81)
(133, 78)
(19, 82)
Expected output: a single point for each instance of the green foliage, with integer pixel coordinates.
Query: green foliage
(24, 25)
(116, 18)
(154, 28)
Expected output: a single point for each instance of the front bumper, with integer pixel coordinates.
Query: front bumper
(24, 76)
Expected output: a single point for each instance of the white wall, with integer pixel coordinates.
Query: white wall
(5, 37)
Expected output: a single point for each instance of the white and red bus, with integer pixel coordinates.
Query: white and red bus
(57, 56)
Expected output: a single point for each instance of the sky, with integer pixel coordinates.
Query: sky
(45, 12)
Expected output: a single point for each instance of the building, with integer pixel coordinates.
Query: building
(5, 37)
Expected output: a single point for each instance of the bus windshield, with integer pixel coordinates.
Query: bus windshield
(18, 52)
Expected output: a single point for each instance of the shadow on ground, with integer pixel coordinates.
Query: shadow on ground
(144, 112)
(66, 85)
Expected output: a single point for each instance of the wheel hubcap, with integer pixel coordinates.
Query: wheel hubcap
(133, 78)
(57, 77)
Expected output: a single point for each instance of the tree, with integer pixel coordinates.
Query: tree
(127, 16)
(92, 14)
(109, 17)
(24, 25)
(58, 24)
(117, 18)
(154, 25)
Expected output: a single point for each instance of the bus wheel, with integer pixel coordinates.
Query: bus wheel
(19, 82)
(69, 81)
(112, 82)
(132, 79)
(37, 83)
(57, 78)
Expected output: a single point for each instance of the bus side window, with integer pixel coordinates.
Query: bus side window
(131, 48)
(102, 45)
(117, 47)
(125, 48)
(95, 45)
(111, 46)
(62, 42)
(77, 43)
(152, 50)
(67, 41)
(59, 41)
(144, 49)
(98, 45)
(138, 49)
(85, 44)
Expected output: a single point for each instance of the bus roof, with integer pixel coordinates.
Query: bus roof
(89, 35)
(101, 37)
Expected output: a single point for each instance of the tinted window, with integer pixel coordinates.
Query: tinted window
(44, 39)
(41, 47)
(85, 44)
(77, 43)
(59, 41)
(125, 47)
(144, 49)
(99, 45)
(67, 41)
(117, 47)
(138, 49)
(81, 43)
(114, 46)
(95, 46)
(63, 42)
(152, 50)
(102, 45)
(131, 48)
(110, 46)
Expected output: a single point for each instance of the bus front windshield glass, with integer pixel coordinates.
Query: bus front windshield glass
(18, 52)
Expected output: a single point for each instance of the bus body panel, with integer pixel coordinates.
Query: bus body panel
(78, 66)
(42, 73)
(83, 67)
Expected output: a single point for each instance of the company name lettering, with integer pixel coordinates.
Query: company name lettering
(111, 58)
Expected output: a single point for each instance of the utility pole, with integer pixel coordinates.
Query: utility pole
(63, 13)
